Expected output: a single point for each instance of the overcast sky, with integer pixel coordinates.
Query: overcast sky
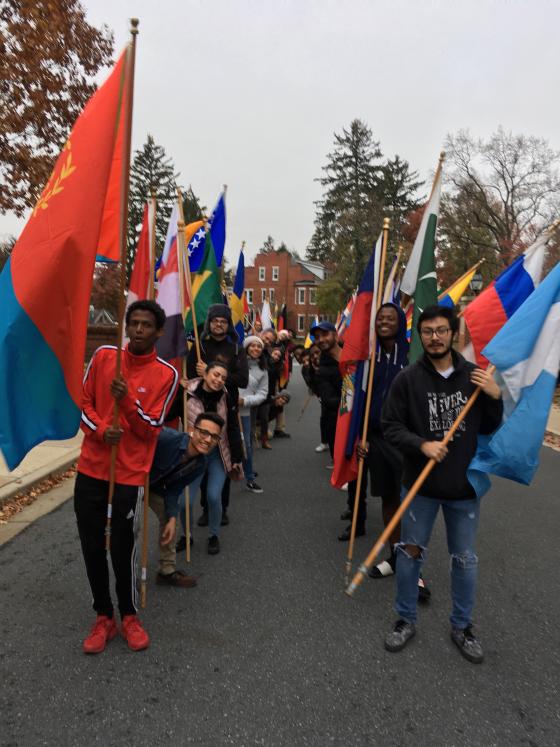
(248, 93)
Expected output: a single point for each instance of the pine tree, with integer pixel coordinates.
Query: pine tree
(350, 212)
(151, 170)
(398, 192)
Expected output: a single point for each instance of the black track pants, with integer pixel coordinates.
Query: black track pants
(90, 506)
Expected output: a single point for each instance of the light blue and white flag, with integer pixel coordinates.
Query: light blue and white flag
(526, 353)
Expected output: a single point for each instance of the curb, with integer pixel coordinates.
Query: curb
(61, 464)
(44, 504)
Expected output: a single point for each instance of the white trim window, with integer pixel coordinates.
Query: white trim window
(271, 295)
(275, 274)
(301, 322)
(301, 296)
(249, 295)
(312, 296)
(262, 274)
(263, 295)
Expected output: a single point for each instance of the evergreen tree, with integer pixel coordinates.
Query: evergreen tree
(398, 192)
(151, 170)
(350, 212)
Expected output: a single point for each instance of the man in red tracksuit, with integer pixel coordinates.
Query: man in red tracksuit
(143, 391)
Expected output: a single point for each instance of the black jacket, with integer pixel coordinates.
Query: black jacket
(327, 382)
(230, 353)
(422, 406)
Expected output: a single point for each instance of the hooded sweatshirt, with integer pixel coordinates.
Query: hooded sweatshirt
(227, 350)
(422, 406)
(387, 366)
(256, 391)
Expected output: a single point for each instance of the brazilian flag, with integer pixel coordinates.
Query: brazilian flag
(205, 286)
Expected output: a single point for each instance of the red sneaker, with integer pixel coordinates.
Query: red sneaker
(134, 633)
(104, 629)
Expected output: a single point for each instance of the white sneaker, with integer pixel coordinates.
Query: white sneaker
(321, 447)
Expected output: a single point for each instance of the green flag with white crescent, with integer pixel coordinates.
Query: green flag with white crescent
(419, 279)
(205, 286)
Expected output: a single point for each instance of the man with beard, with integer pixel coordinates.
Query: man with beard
(424, 401)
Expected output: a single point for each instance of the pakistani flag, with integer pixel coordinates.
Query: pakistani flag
(205, 287)
(419, 279)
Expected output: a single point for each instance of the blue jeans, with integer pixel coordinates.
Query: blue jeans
(216, 479)
(461, 523)
(248, 463)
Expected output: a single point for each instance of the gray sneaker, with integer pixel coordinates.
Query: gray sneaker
(468, 644)
(397, 639)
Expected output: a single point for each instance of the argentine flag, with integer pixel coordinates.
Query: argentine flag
(526, 353)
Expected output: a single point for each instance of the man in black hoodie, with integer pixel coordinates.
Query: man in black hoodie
(423, 403)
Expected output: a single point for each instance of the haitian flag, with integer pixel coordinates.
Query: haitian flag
(45, 286)
(354, 367)
(489, 311)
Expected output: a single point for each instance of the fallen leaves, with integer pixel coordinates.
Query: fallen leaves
(18, 502)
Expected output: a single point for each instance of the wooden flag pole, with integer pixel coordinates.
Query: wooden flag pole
(372, 357)
(304, 408)
(151, 297)
(125, 188)
(407, 500)
(183, 263)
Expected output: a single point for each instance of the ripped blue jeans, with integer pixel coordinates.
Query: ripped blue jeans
(461, 523)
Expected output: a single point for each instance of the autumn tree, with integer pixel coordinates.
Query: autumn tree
(105, 288)
(49, 56)
(6, 246)
(500, 193)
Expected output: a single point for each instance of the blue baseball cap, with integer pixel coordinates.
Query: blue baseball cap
(325, 326)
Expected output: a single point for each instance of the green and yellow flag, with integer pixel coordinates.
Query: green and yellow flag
(205, 287)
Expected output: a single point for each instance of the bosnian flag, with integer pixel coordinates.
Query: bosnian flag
(354, 367)
(500, 300)
(217, 227)
(526, 353)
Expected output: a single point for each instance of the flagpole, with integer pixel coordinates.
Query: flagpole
(372, 357)
(125, 188)
(151, 297)
(186, 269)
(436, 177)
(407, 500)
(181, 252)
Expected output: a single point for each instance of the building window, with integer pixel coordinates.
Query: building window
(249, 295)
(271, 295)
(262, 273)
(301, 296)
(275, 273)
(301, 322)
(263, 295)
(313, 296)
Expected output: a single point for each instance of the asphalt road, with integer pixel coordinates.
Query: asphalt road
(268, 650)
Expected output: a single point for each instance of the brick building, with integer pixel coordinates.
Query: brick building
(278, 277)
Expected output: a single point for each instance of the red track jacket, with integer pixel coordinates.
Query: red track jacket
(151, 388)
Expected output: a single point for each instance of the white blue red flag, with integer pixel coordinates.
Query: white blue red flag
(500, 300)
(526, 353)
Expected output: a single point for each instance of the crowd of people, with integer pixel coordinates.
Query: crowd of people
(193, 436)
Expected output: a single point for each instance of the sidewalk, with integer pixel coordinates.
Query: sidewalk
(42, 461)
(554, 420)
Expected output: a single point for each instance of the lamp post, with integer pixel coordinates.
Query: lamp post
(476, 283)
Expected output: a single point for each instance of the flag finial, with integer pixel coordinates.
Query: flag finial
(134, 26)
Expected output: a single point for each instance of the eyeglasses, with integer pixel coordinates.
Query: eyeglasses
(428, 332)
(207, 436)
(221, 322)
